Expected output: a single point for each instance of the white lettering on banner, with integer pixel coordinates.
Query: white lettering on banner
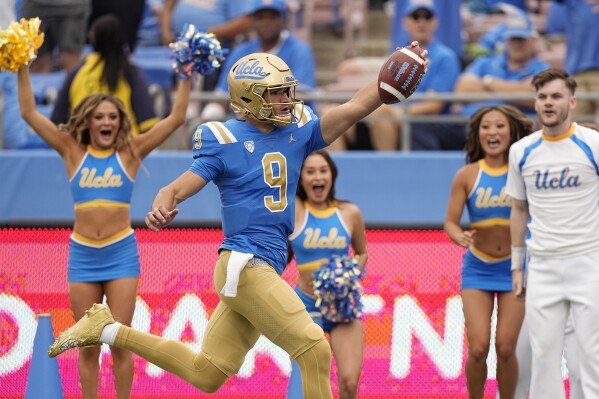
(265, 347)
(372, 304)
(408, 319)
(25, 319)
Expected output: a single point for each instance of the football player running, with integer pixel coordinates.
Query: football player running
(255, 161)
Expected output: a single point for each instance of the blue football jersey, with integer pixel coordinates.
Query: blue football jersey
(257, 176)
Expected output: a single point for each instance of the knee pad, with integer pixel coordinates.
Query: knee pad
(298, 339)
(318, 357)
(206, 376)
(315, 366)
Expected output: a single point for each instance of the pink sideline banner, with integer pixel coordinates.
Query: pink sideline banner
(414, 329)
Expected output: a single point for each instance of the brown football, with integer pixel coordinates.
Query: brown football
(400, 75)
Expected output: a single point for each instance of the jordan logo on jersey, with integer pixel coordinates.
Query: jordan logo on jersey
(544, 182)
(291, 138)
(249, 145)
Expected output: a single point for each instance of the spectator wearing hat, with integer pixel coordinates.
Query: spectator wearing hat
(268, 26)
(510, 72)
(420, 21)
(449, 23)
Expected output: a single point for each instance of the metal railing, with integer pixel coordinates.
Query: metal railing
(322, 96)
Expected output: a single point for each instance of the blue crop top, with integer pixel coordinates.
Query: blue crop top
(488, 204)
(322, 235)
(101, 181)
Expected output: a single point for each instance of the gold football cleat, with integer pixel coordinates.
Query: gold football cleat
(86, 332)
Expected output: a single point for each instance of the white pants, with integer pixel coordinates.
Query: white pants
(555, 287)
(524, 355)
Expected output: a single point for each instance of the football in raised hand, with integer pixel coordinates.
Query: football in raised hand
(401, 74)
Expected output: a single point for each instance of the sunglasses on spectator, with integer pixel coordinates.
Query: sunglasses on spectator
(422, 14)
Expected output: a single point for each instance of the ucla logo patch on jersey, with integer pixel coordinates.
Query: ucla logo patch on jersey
(249, 145)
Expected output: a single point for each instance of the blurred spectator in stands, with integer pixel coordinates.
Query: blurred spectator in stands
(510, 72)
(148, 33)
(16, 133)
(493, 42)
(18, 7)
(107, 70)
(7, 13)
(449, 24)
(129, 12)
(582, 50)
(64, 23)
(494, 6)
(269, 18)
(227, 19)
(384, 125)
(556, 23)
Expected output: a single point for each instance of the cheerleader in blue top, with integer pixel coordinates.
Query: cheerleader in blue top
(325, 227)
(102, 158)
(480, 187)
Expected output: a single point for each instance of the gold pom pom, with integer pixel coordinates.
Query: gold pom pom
(19, 42)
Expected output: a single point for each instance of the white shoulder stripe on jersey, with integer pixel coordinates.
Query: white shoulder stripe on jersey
(303, 117)
(222, 134)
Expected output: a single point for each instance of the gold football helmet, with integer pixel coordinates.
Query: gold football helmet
(252, 77)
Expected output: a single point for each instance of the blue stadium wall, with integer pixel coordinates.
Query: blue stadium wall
(392, 189)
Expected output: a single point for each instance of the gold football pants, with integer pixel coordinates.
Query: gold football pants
(265, 305)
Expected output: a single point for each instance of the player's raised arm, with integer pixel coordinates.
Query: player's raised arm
(399, 77)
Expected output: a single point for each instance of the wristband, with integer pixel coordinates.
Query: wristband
(518, 254)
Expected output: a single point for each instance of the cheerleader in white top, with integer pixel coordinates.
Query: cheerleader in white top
(553, 180)
(480, 187)
(325, 227)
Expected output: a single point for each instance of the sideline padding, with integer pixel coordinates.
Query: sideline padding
(392, 189)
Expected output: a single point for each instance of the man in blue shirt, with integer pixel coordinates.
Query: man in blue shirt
(448, 32)
(510, 72)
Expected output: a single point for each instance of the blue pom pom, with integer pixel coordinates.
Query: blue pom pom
(196, 51)
(338, 290)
